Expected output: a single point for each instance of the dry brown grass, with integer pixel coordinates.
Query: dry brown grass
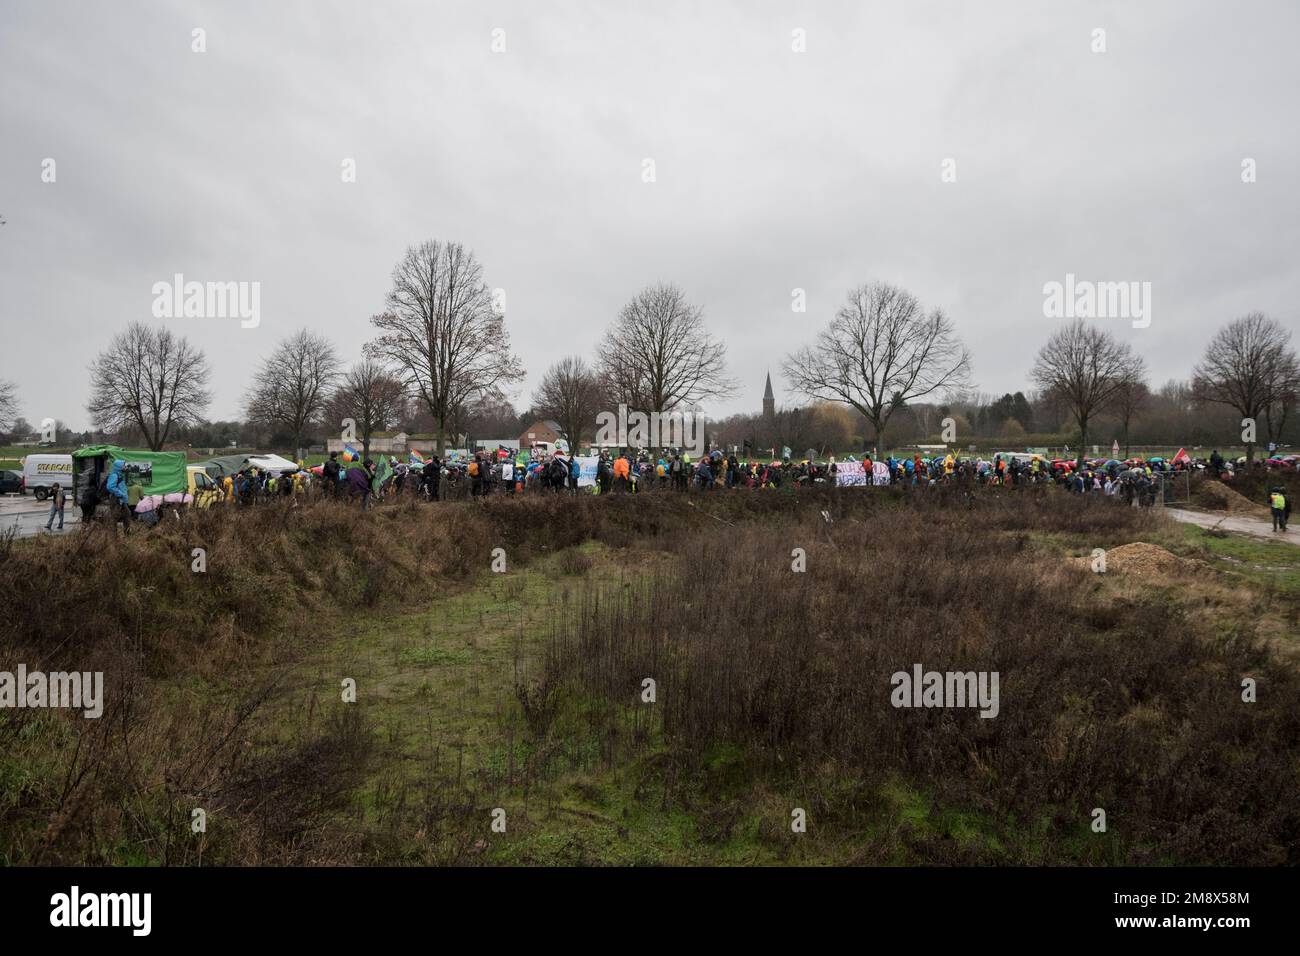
(1130, 704)
(1122, 702)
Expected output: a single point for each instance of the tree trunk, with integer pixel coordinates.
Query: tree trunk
(1250, 445)
(876, 427)
(1275, 435)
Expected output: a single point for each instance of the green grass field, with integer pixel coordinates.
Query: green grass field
(438, 685)
(1272, 565)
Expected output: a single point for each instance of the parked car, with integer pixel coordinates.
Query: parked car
(11, 482)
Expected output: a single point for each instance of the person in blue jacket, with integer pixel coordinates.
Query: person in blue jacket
(116, 483)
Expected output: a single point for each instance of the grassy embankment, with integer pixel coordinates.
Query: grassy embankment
(523, 690)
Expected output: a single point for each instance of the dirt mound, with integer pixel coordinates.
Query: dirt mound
(1140, 559)
(1217, 496)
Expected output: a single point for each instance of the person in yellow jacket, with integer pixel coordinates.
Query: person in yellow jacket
(1280, 507)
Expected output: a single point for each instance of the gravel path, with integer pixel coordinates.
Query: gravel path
(1255, 527)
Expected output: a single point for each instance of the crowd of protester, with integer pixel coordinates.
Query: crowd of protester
(1137, 481)
(362, 481)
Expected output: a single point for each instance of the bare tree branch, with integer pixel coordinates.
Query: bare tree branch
(1131, 398)
(293, 384)
(657, 356)
(8, 405)
(1249, 366)
(148, 381)
(880, 352)
(371, 395)
(572, 394)
(441, 332)
(1085, 369)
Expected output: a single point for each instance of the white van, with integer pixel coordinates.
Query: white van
(40, 472)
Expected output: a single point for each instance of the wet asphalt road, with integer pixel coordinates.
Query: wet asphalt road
(28, 516)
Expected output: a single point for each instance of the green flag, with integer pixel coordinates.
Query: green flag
(382, 474)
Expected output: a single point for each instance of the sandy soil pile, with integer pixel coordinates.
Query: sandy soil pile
(1140, 559)
(1217, 496)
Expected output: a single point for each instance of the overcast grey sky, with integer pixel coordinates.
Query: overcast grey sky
(775, 170)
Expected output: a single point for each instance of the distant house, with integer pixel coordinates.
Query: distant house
(383, 443)
(397, 443)
(541, 431)
(426, 443)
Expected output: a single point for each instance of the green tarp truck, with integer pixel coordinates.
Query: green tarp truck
(156, 472)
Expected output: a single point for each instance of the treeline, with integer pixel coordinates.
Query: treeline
(1170, 417)
(884, 371)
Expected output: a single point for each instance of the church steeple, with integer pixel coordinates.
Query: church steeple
(769, 400)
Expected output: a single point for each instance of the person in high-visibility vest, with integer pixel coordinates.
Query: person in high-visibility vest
(1280, 507)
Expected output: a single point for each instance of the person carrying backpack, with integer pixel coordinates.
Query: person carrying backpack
(558, 474)
(604, 474)
(677, 470)
(330, 472)
(704, 474)
(475, 478)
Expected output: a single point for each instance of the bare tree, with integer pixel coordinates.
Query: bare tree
(1130, 399)
(371, 396)
(1284, 395)
(493, 415)
(572, 394)
(657, 356)
(8, 404)
(881, 351)
(1085, 369)
(1248, 366)
(1284, 402)
(441, 331)
(150, 381)
(293, 384)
